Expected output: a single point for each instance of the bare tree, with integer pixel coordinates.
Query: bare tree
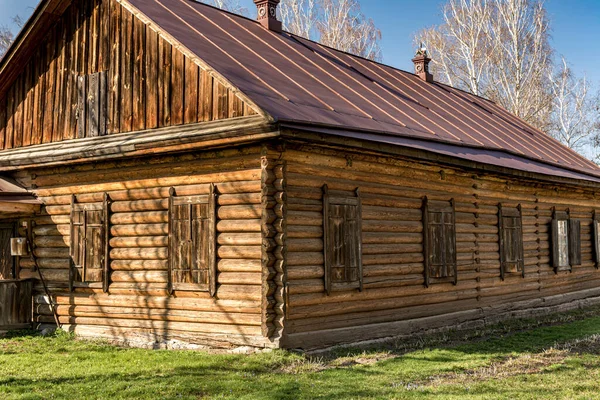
(498, 49)
(6, 39)
(461, 47)
(522, 60)
(344, 27)
(340, 24)
(300, 17)
(229, 5)
(576, 115)
(7, 36)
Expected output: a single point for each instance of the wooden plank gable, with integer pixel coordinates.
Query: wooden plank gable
(149, 82)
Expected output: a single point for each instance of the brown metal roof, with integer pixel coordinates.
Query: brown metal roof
(300, 82)
(294, 79)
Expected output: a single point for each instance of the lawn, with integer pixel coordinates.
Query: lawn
(557, 357)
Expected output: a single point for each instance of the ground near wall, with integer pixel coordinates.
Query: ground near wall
(554, 356)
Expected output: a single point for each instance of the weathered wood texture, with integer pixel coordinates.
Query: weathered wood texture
(15, 304)
(392, 193)
(138, 299)
(149, 83)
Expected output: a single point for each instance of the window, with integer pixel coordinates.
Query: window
(439, 238)
(92, 103)
(596, 229)
(510, 223)
(192, 255)
(7, 261)
(566, 241)
(89, 243)
(343, 241)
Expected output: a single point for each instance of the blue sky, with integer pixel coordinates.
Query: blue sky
(575, 28)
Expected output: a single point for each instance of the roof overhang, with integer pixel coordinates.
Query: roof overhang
(477, 160)
(15, 200)
(174, 139)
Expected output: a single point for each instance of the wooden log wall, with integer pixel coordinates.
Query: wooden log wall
(137, 302)
(150, 83)
(392, 193)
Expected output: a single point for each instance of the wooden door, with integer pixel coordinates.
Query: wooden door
(6, 260)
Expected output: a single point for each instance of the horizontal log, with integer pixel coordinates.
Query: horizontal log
(240, 278)
(240, 252)
(147, 253)
(392, 226)
(305, 272)
(148, 217)
(52, 230)
(237, 265)
(250, 211)
(240, 225)
(304, 245)
(136, 265)
(139, 241)
(304, 258)
(52, 241)
(139, 230)
(392, 238)
(149, 324)
(299, 231)
(371, 249)
(139, 276)
(53, 220)
(153, 314)
(154, 302)
(240, 239)
(50, 252)
(160, 182)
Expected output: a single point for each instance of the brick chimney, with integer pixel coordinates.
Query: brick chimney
(421, 62)
(267, 14)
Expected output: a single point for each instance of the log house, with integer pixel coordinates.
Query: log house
(183, 173)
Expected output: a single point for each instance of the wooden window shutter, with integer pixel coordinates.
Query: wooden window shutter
(596, 238)
(510, 223)
(574, 242)
(89, 244)
(192, 246)
(560, 241)
(342, 228)
(439, 237)
(92, 101)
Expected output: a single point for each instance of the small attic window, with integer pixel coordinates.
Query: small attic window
(92, 103)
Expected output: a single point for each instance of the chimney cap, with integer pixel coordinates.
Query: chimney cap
(421, 62)
(267, 14)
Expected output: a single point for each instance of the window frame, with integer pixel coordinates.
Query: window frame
(573, 241)
(209, 200)
(355, 201)
(428, 207)
(596, 244)
(105, 247)
(510, 212)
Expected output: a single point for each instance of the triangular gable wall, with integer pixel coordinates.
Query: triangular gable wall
(149, 82)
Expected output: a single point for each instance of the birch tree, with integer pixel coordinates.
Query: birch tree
(300, 17)
(576, 116)
(522, 60)
(6, 39)
(344, 27)
(229, 5)
(462, 47)
(340, 24)
(498, 49)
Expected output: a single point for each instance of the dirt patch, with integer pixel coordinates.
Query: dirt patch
(525, 364)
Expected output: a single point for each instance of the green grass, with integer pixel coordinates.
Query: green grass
(557, 357)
